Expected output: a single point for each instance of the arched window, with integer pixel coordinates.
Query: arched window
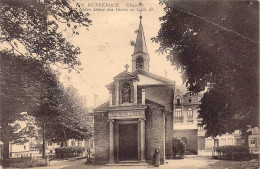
(178, 100)
(190, 112)
(140, 63)
(126, 93)
(178, 113)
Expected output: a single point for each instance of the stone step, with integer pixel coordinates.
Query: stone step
(128, 163)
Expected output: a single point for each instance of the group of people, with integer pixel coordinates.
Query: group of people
(178, 147)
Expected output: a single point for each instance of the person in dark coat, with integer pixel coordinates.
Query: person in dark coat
(156, 157)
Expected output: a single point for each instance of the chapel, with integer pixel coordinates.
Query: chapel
(138, 118)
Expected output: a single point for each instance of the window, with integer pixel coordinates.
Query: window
(178, 101)
(50, 143)
(190, 112)
(80, 143)
(200, 128)
(189, 100)
(140, 63)
(252, 143)
(178, 113)
(24, 147)
(73, 143)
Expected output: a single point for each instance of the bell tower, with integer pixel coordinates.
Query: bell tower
(140, 57)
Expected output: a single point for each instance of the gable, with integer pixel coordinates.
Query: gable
(144, 80)
(150, 77)
(126, 75)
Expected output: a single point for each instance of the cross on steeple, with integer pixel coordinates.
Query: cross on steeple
(140, 3)
(126, 67)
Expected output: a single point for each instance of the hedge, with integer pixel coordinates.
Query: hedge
(178, 147)
(25, 162)
(233, 152)
(66, 152)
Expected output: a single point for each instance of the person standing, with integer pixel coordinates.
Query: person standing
(156, 157)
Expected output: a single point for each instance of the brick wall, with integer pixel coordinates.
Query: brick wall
(101, 129)
(155, 134)
(164, 96)
(191, 136)
(169, 132)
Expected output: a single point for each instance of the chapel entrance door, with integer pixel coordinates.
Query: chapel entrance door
(128, 142)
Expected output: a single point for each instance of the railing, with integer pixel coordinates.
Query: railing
(178, 118)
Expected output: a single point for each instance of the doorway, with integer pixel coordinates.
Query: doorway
(128, 142)
(216, 143)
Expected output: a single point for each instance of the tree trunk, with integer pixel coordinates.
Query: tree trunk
(43, 140)
(5, 138)
(65, 136)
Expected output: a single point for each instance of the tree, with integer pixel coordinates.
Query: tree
(24, 129)
(29, 86)
(215, 45)
(33, 25)
(23, 81)
(65, 119)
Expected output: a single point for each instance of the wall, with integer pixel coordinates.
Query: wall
(101, 127)
(155, 135)
(164, 96)
(191, 136)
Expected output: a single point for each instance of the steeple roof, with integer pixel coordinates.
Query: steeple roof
(140, 44)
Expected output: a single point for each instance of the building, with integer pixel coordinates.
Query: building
(138, 118)
(18, 150)
(185, 120)
(254, 141)
(186, 125)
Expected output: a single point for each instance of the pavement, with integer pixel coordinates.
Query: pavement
(189, 162)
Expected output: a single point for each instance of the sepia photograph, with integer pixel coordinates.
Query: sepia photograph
(129, 84)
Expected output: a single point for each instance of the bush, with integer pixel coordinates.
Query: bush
(23, 162)
(233, 152)
(66, 152)
(178, 147)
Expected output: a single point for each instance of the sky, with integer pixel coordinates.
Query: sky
(106, 46)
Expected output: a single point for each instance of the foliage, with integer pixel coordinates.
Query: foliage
(22, 79)
(215, 46)
(66, 152)
(178, 146)
(66, 118)
(233, 152)
(34, 26)
(27, 85)
(24, 162)
(24, 130)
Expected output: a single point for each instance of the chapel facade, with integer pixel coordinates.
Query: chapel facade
(138, 118)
